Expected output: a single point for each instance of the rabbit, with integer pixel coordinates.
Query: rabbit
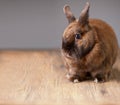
(89, 47)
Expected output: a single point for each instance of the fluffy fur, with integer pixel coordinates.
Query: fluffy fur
(93, 55)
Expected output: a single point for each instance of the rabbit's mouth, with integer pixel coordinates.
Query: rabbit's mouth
(68, 54)
(67, 45)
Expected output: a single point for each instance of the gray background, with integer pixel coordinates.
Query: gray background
(39, 24)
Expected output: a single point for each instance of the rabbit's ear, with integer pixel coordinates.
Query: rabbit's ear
(84, 16)
(68, 14)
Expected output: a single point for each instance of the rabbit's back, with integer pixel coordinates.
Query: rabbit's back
(107, 38)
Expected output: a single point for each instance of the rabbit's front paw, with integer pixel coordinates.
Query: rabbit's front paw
(73, 78)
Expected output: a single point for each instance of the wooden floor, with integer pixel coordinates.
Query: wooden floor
(38, 77)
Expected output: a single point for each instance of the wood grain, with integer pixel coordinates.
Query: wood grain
(38, 77)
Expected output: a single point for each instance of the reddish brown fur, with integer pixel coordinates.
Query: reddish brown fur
(95, 53)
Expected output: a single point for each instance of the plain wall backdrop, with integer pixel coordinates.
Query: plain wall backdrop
(36, 24)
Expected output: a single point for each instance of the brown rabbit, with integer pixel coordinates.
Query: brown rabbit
(89, 47)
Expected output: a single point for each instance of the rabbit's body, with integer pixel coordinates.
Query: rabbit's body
(92, 54)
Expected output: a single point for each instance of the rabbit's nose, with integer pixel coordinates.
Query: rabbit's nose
(64, 40)
(66, 45)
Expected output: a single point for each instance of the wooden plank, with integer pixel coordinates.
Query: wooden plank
(38, 77)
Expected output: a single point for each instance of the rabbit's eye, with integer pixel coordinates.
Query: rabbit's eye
(78, 36)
